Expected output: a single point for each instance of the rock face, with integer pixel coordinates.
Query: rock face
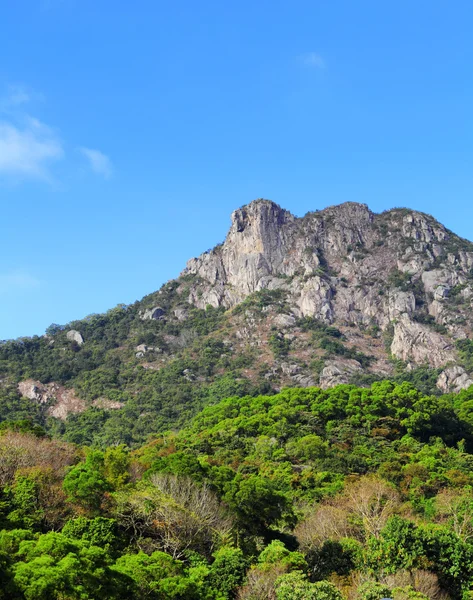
(454, 379)
(338, 371)
(62, 401)
(156, 313)
(417, 343)
(401, 272)
(75, 336)
(339, 296)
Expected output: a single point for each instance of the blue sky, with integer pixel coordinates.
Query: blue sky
(130, 131)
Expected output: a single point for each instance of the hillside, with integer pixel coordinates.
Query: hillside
(341, 295)
(340, 494)
(228, 437)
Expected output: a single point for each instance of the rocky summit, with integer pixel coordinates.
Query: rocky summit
(399, 275)
(339, 296)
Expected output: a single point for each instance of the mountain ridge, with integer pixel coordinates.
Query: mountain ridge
(340, 295)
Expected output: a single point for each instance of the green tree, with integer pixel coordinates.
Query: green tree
(54, 567)
(116, 466)
(99, 531)
(228, 570)
(373, 590)
(157, 576)
(86, 483)
(296, 586)
(256, 500)
(27, 511)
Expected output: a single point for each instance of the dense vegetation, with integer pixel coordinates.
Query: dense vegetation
(206, 484)
(187, 364)
(349, 493)
(195, 369)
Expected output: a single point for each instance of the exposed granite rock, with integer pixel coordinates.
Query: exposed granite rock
(156, 313)
(283, 321)
(340, 266)
(142, 349)
(440, 279)
(338, 371)
(33, 390)
(75, 336)
(62, 401)
(418, 343)
(454, 379)
(400, 303)
(181, 314)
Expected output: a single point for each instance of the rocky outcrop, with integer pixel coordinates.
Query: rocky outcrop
(142, 349)
(156, 313)
(181, 314)
(345, 265)
(75, 336)
(419, 344)
(454, 379)
(266, 245)
(340, 371)
(60, 401)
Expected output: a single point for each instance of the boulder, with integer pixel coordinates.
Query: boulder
(156, 313)
(454, 379)
(75, 336)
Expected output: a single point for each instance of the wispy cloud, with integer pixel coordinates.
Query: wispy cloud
(27, 146)
(99, 162)
(27, 150)
(17, 280)
(313, 60)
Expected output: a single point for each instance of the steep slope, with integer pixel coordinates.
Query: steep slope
(399, 270)
(341, 295)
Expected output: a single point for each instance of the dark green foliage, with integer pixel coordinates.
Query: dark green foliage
(279, 344)
(311, 324)
(261, 299)
(228, 570)
(340, 557)
(334, 347)
(422, 378)
(23, 426)
(399, 279)
(220, 506)
(256, 500)
(465, 348)
(86, 483)
(426, 319)
(99, 531)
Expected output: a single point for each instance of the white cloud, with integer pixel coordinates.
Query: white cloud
(98, 161)
(27, 150)
(312, 59)
(17, 280)
(28, 147)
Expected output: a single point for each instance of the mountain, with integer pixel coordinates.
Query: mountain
(341, 295)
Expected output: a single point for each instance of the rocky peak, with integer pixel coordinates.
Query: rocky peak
(347, 265)
(259, 219)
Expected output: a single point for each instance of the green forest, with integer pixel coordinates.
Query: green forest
(347, 493)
